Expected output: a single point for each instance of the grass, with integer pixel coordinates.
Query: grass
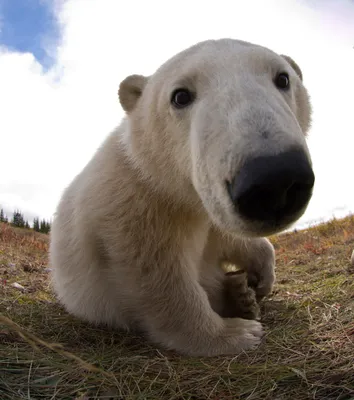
(308, 351)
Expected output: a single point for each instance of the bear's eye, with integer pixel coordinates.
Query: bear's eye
(282, 80)
(181, 98)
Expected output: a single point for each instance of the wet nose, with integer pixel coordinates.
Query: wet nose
(273, 188)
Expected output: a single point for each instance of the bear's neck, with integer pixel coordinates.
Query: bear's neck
(164, 183)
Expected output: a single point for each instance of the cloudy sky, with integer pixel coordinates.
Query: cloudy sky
(61, 63)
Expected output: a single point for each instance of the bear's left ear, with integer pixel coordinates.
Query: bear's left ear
(130, 91)
(295, 67)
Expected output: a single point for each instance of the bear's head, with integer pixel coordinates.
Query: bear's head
(222, 126)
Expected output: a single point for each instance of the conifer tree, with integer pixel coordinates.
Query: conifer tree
(36, 224)
(18, 219)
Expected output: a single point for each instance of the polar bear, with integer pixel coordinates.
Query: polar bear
(209, 159)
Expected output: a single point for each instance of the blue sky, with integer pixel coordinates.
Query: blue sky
(29, 26)
(58, 83)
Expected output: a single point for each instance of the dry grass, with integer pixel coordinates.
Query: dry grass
(308, 352)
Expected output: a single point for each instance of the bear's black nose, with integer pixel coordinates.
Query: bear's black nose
(273, 189)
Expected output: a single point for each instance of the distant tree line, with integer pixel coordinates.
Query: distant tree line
(18, 220)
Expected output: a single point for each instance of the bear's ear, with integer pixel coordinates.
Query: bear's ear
(130, 90)
(296, 68)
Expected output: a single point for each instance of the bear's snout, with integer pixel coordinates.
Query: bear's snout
(273, 189)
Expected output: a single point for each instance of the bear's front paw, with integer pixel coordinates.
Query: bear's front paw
(240, 299)
(243, 334)
(262, 284)
(260, 270)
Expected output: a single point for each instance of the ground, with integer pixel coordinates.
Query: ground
(308, 351)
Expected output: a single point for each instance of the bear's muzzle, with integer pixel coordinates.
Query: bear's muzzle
(273, 189)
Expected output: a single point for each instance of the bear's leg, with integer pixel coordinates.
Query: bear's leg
(212, 280)
(176, 313)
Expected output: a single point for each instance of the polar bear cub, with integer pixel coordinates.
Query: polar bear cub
(209, 159)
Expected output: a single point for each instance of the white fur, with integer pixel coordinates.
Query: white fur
(141, 232)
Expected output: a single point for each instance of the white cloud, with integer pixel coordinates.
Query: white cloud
(52, 122)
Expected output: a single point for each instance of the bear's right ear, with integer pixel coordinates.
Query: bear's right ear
(130, 90)
(295, 67)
